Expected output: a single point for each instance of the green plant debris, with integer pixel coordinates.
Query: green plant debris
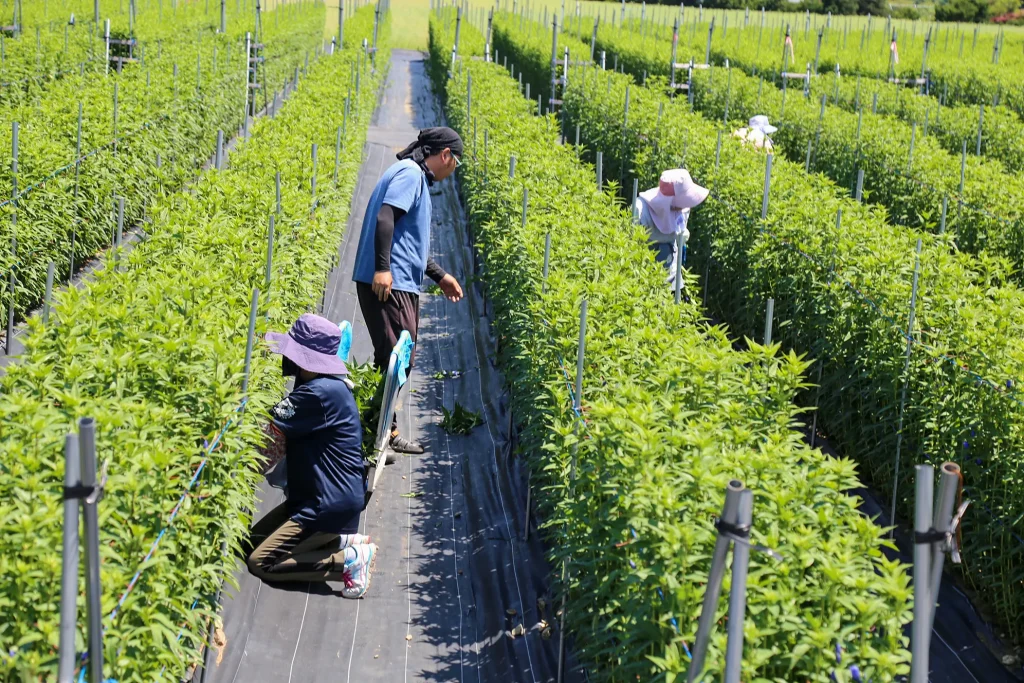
(460, 420)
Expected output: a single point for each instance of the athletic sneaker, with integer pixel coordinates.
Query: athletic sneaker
(346, 541)
(400, 444)
(357, 571)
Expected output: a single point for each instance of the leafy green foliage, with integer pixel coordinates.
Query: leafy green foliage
(161, 113)
(460, 420)
(960, 60)
(155, 352)
(672, 412)
(986, 216)
(842, 294)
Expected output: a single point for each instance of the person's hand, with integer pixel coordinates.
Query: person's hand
(451, 288)
(381, 286)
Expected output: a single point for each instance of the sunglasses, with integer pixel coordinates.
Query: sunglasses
(457, 162)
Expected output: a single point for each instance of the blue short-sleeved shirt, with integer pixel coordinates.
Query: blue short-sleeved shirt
(403, 186)
(323, 437)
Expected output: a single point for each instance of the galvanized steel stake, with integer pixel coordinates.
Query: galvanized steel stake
(69, 570)
(91, 529)
(253, 307)
(906, 369)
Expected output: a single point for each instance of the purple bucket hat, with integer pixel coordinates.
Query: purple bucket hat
(312, 344)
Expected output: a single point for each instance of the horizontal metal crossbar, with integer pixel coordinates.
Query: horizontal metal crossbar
(553, 101)
(687, 65)
(909, 81)
(801, 76)
(118, 41)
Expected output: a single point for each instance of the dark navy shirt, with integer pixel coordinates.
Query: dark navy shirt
(326, 486)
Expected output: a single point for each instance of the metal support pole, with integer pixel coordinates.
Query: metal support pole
(738, 592)
(767, 187)
(730, 514)
(69, 572)
(277, 191)
(547, 261)
(981, 121)
(337, 156)
(341, 25)
(223, 16)
(253, 308)
(312, 173)
(512, 167)
(600, 171)
(920, 637)
(677, 275)
(91, 529)
(859, 195)
(218, 158)
(49, 292)
(9, 347)
(270, 252)
(769, 322)
(942, 219)
(120, 226)
(903, 390)
(949, 484)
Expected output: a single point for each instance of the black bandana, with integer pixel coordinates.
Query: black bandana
(432, 141)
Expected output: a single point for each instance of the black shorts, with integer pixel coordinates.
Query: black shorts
(385, 320)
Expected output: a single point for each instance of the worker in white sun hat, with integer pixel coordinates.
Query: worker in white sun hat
(757, 133)
(665, 210)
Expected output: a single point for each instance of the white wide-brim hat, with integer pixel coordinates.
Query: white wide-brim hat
(676, 190)
(760, 122)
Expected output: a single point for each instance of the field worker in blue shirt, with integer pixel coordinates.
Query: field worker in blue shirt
(314, 535)
(394, 250)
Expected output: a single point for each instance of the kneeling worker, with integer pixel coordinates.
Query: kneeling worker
(313, 536)
(665, 211)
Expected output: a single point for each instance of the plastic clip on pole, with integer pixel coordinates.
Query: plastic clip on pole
(921, 634)
(87, 440)
(730, 515)
(69, 575)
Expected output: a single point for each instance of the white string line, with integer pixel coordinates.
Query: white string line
(355, 621)
(497, 482)
(298, 639)
(408, 545)
(451, 499)
(955, 655)
(245, 645)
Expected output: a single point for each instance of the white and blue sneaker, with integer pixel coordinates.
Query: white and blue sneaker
(357, 570)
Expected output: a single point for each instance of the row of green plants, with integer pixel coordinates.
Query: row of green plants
(952, 125)
(965, 74)
(154, 351)
(842, 290)
(170, 111)
(910, 182)
(671, 413)
(48, 51)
